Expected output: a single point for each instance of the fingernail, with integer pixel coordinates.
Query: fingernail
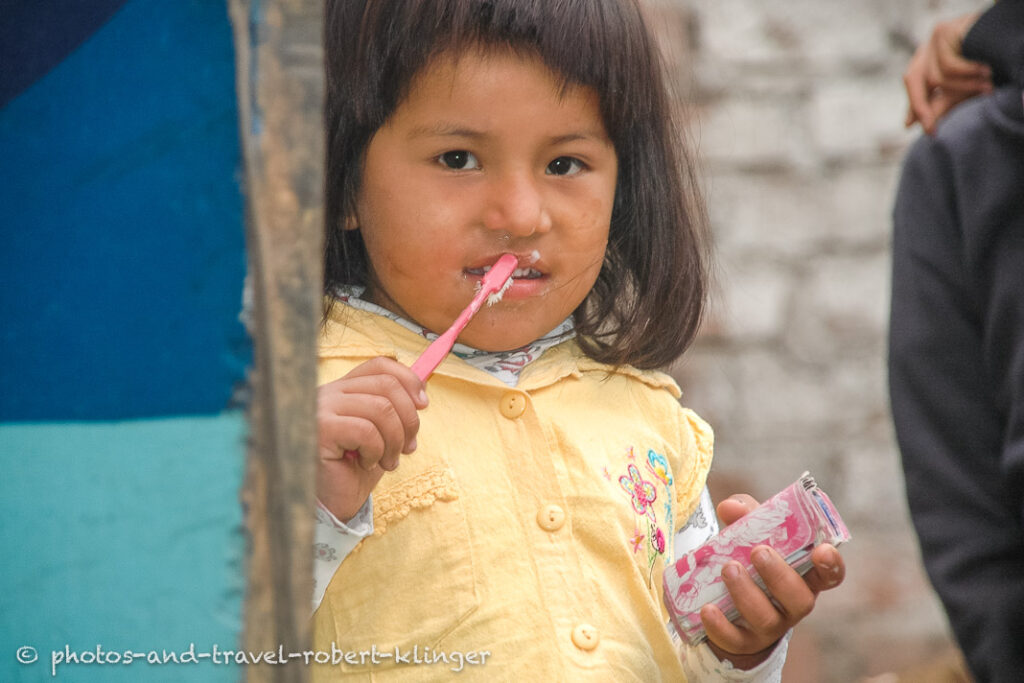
(761, 557)
(423, 397)
(411, 447)
(731, 571)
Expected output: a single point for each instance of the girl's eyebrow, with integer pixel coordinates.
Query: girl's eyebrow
(443, 129)
(585, 135)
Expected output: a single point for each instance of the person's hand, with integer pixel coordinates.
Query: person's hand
(750, 640)
(938, 77)
(371, 411)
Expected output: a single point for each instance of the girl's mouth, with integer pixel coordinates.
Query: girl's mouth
(518, 273)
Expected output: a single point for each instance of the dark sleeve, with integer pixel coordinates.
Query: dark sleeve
(956, 374)
(997, 39)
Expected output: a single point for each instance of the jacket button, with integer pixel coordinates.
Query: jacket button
(551, 518)
(585, 637)
(512, 405)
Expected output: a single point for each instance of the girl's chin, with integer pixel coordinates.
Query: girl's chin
(498, 339)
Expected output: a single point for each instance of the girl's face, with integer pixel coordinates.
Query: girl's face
(487, 155)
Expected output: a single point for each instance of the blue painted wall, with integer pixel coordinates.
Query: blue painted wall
(122, 252)
(122, 260)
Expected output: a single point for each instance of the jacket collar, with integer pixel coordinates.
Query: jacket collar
(353, 333)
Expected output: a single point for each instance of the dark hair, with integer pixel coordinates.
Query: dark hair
(647, 303)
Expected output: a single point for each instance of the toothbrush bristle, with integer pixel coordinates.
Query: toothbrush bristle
(496, 296)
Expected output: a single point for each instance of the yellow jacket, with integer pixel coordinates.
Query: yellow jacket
(524, 539)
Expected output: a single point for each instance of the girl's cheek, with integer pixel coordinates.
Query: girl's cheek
(592, 225)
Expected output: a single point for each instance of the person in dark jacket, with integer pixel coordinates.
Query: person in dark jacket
(956, 354)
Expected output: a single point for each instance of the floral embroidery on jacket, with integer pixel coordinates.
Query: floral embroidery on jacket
(658, 541)
(642, 495)
(637, 540)
(642, 491)
(658, 465)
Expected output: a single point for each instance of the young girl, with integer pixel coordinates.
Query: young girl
(522, 516)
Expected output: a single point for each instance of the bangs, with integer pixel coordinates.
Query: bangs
(595, 43)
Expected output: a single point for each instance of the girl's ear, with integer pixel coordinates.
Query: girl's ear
(350, 223)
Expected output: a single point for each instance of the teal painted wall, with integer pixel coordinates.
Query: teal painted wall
(125, 535)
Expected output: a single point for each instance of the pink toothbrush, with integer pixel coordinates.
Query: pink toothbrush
(492, 287)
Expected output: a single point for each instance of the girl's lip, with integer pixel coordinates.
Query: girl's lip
(528, 268)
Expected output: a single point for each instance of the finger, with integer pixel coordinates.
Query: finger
(342, 434)
(337, 397)
(916, 87)
(413, 385)
(930, 90)
(735, 506)
(377, 428)
(724, 633)
(910, 119)
(970, 84)
(950, 65)
(793, 598)
(761, 624)
(950, 60)
(367, 419)
(829, 569)
(928, 120)
(956, 69)
(942, 102)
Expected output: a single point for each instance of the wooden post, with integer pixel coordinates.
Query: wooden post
(280, 91)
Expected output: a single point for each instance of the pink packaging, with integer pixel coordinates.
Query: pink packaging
(793, 522)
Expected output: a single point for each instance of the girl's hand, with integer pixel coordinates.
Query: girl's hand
(749, 642)
(373, 411)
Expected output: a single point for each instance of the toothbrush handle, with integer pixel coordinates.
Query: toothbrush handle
(435, 353)
(439, 348)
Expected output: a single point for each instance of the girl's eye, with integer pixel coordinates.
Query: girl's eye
(565, 166)
(459, 160)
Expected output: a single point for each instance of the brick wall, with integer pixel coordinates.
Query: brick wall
(797, 114)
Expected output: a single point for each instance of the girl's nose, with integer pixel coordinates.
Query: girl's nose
(516, 206)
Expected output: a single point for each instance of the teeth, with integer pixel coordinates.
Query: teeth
(518, 272)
